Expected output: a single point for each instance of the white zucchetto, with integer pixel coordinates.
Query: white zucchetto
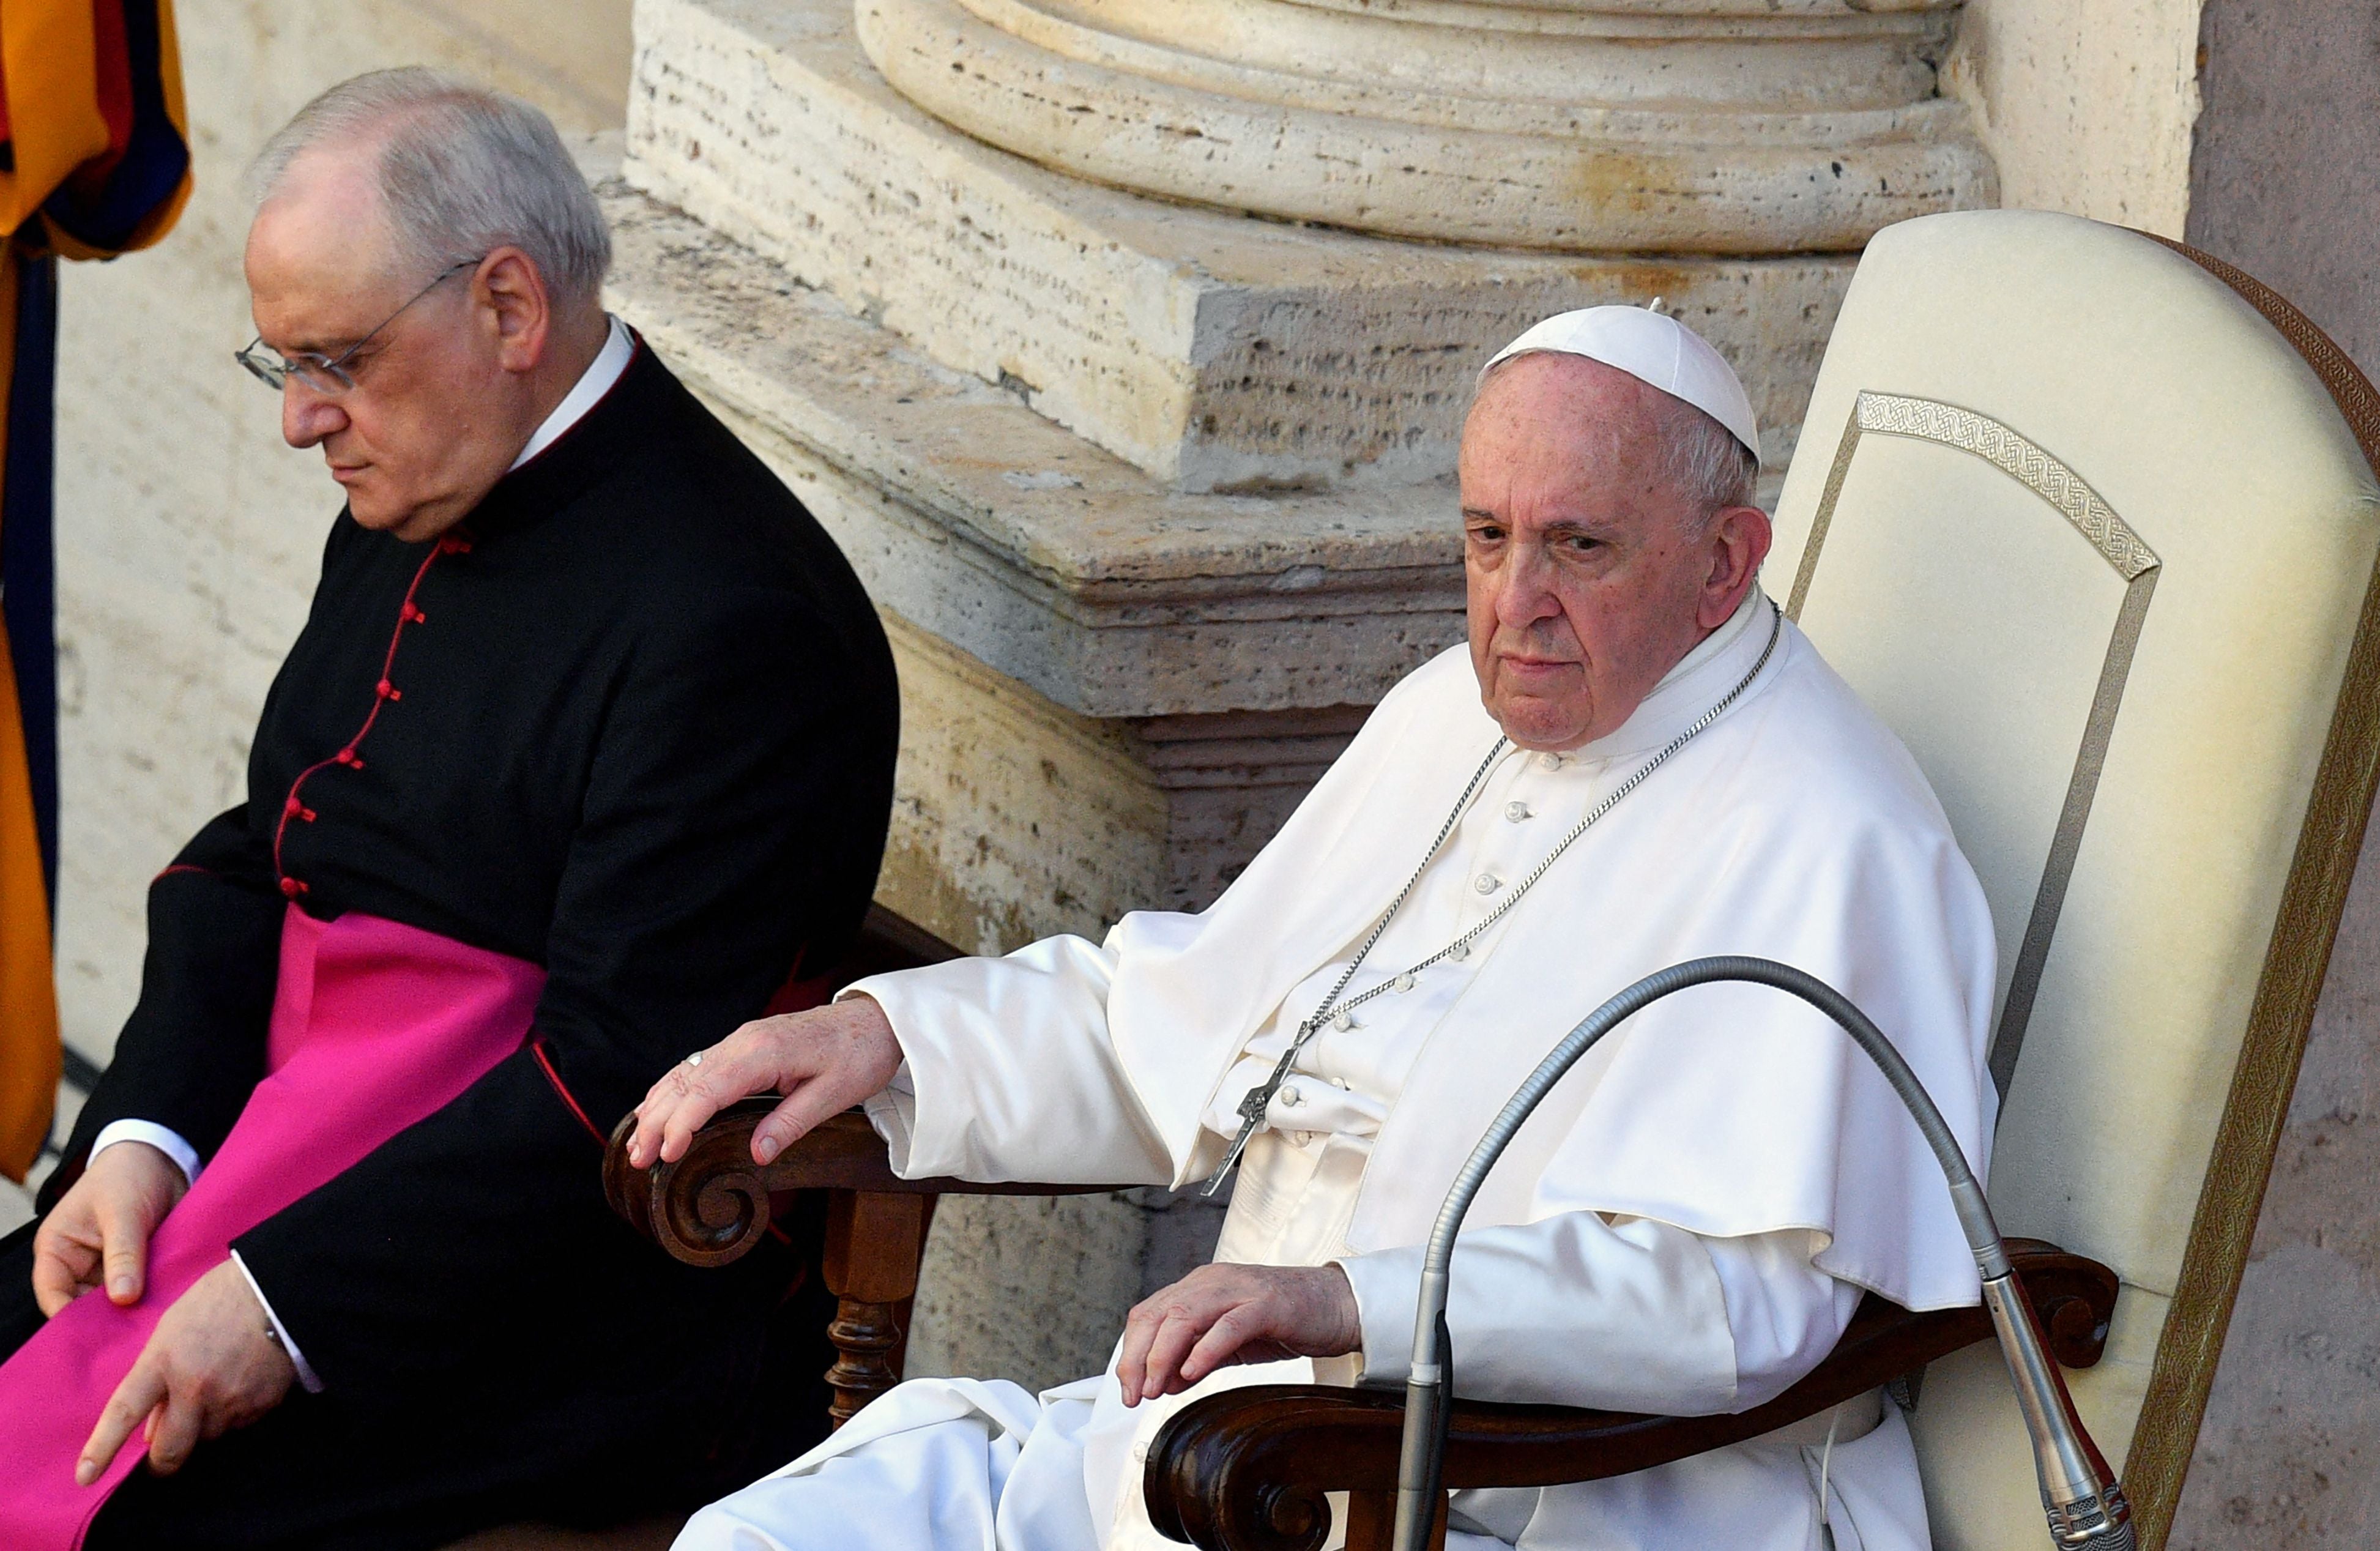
(1655, 349)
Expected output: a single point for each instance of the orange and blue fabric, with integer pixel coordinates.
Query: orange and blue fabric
(94, 161)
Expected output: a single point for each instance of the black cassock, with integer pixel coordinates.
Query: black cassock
(633, 720)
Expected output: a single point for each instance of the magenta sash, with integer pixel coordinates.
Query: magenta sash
(375, 1025)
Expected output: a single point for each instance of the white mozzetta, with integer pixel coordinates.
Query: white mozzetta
(1212, 351)
(1645, 127)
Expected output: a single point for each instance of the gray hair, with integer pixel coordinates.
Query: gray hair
(462, 170)
(1707, 465)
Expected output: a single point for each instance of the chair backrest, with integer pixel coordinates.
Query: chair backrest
(2091, 521)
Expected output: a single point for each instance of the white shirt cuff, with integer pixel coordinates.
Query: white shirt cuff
(306, 1375)
(170, 1143)
(893, 1113)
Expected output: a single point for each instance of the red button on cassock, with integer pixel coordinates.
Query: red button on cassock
(292, 887)
(293, 807)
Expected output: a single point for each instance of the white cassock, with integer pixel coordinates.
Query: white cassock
(1686, 1224)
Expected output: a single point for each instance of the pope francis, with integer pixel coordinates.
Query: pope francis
(1636, 760)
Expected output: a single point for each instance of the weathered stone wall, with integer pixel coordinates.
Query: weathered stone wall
(1032, 1289)
(2086, 105)
(2285, 182)
(2285, 1457)
(2285, 168)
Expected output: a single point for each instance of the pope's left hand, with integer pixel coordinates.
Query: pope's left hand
(210, 1366)
(1219, 1315)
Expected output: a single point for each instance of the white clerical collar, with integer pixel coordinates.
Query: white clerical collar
(584, 395)
(1716, 665)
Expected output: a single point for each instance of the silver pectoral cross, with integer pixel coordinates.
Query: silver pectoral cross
(1253, 1105)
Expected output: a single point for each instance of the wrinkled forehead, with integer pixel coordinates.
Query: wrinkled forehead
(1563, 411)
(320, 242)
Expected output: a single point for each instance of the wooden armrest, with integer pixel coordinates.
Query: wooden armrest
(711, 1205)
(1247, 1470)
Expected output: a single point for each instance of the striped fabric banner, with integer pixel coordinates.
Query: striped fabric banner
(94, 160)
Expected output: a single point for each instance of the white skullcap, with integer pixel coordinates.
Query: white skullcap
(1651, 347)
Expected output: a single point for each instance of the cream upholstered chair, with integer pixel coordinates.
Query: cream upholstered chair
(2091, 521)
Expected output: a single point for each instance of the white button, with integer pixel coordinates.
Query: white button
(1486, 883)
(1552, 761)
(1345, 1022)
(1405, 982)
(1291, 1099)
(1516, 813)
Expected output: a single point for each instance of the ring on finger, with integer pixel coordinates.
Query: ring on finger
(693, 1059)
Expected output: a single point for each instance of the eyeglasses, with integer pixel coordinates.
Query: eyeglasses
(329, 374)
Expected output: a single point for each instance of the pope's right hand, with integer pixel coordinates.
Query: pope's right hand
(823, 1060)
(100, 1228)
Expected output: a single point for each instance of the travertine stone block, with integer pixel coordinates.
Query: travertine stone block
(1231, 781)
(1011, 818)
(1214, 352)
(1034, 1289)
(1045, 559)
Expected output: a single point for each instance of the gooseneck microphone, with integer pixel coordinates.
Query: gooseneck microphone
(2083, 1500)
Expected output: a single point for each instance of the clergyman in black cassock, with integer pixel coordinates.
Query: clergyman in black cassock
(632, 721)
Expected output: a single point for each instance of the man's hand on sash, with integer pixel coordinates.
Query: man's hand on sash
(98, 1233)
(210, 1366)
(1219, 1315)
(823, 1060)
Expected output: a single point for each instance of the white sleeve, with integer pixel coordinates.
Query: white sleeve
(1627, 1315)
(1010, 1071)
(1784, 1314)
(306, 1375)
(169, 1142)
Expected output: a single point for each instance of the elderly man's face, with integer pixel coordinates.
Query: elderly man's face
(432, 419)
(1589, 574)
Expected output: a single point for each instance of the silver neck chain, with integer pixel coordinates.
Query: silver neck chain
(1331, 1011)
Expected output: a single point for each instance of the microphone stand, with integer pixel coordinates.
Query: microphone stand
(2081, 1496)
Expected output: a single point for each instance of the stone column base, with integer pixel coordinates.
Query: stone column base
(1213, 351)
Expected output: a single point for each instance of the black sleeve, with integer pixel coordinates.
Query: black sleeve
(736, 814)
(193, 1049)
